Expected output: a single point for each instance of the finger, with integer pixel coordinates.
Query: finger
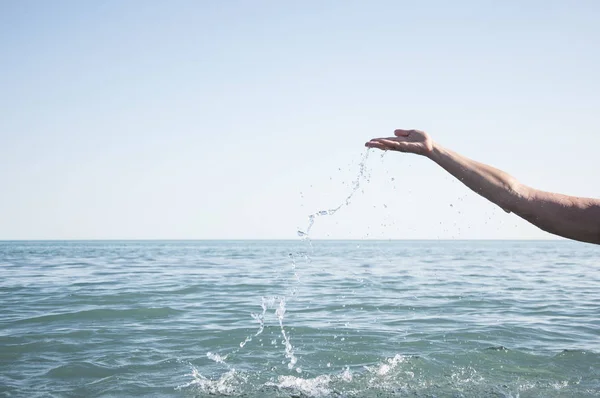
(395, 139)
(392, 144)
(398, 144)
(392, 141)
(403, 146)
(375, 144)
(381, 140)
(402, 133)
(389, 142)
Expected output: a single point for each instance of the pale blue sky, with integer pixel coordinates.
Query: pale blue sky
(207, 119)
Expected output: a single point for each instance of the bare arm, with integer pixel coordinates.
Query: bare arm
(567, 216)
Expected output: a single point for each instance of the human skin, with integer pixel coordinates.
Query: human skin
(567, 216)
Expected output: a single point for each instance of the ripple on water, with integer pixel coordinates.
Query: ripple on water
(464, 319)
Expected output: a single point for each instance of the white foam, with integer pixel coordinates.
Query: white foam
(346, 375)
(388, 365)
(315, 387)
(227, 384)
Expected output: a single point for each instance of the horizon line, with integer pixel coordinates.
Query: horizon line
(277, 239)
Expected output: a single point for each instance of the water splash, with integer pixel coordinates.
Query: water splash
(399, 375)
(260, 318)
(289, 349)
(228, 384)
(362, 175)
(356, 184)
(296, 277)
(346, 375)
(315, 387)
(216, 357)
(266, 303)
(387, 365)
(269, 302)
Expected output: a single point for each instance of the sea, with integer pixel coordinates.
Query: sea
(299, 318)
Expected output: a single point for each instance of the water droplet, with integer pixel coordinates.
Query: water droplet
(328, 364)
(300, 233)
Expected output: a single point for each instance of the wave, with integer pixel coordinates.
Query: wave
(103, 314)
(80, 370)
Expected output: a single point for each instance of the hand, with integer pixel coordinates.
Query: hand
(412, 141)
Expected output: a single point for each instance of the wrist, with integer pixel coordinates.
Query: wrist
(434, 152)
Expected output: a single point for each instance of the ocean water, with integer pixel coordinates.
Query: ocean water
(299, 319)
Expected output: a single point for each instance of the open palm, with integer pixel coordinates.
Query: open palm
(412, 141)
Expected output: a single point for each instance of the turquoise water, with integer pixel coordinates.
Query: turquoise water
(287, 319)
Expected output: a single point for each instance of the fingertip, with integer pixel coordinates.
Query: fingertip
(401, 133)
(375, 145)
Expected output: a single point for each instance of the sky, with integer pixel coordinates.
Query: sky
(238, 119)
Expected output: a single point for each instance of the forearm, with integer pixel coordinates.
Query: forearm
(567, 216)
(491, 183)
